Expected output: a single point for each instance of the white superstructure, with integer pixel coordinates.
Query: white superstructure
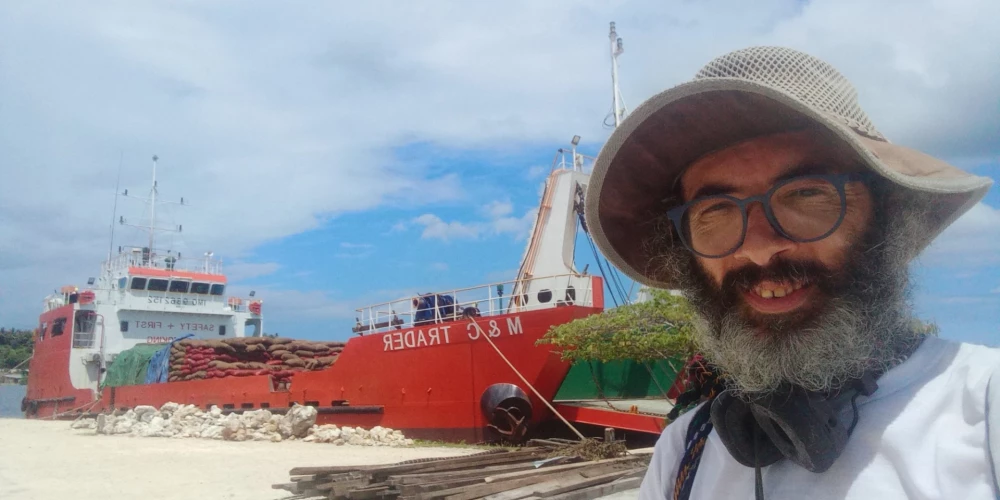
(144, 295)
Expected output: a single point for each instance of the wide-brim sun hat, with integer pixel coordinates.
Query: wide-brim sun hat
(744, 94)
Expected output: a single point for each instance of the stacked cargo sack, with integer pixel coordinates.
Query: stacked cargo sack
(192, 359)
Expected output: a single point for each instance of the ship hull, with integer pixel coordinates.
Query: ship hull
(427, 381)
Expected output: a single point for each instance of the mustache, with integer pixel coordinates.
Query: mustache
(779, 270)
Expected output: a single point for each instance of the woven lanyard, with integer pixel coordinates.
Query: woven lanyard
(694, 444)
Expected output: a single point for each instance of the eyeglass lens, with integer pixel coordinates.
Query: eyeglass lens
(804, 209)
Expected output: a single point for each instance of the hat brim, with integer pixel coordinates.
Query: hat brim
(643, 158)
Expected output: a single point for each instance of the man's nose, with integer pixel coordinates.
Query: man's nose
(762, 241)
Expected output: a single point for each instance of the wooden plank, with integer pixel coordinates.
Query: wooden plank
(560, 483)
(418, 489)
(592, 481)
(457, 464)
(341, 488)
(283, 486)
(433, 477)
(565, 441)
(600, 490)
(334, 469)
(367, 493)
(546, 443)
(510, 475)
(471, 492)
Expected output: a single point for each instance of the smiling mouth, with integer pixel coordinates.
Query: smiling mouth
(775, 298)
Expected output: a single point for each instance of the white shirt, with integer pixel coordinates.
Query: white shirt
(921, 435)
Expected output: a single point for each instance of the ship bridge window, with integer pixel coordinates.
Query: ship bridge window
(179, 286)
(138, 283)
(122, 283)
(83, 329)
(251, 328)
(200, 288)
(218, 289)
(58, 326)
(157, 285)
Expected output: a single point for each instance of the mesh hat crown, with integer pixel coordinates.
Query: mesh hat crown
(813, 81)
(738, 96)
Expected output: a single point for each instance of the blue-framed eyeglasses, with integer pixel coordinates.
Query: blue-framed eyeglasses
(803, 209)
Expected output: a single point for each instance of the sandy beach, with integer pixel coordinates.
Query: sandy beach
(48, 460)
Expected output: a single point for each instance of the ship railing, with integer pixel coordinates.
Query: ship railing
(138, 258)
(240, 304)
(494, 299)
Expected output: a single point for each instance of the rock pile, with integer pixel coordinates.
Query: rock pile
(188, 421)
(377, 436)
(193, 359)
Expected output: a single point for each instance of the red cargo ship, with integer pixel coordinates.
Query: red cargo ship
(418, 364)
(422, 365)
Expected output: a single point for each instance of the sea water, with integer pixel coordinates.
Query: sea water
(10, 400)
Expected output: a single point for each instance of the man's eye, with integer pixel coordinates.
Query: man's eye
(807, 192)
(715, 210)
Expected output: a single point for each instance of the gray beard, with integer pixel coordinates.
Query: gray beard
(867, 326)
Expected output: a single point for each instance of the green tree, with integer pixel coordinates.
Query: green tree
(15, 347)
(659, 328)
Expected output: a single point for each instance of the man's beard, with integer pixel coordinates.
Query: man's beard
(858, 318)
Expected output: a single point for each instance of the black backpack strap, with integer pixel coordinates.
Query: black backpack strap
(694, 444)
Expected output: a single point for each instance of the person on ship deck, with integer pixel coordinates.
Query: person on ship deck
(762, 191)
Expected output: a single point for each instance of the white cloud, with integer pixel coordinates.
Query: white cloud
(972, 240)
(537, 171)
(275, 121)
(398, 227)
(496, 209)
(434, 227)
(519, 227)
(499, 222)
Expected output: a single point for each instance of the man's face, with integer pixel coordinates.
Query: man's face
(772, 279)
(776, 311)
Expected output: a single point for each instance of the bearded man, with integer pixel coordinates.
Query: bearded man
(763, 192)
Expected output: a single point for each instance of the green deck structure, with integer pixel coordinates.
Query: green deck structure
(618, 380)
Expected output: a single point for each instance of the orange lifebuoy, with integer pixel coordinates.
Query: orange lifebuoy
(87, 297)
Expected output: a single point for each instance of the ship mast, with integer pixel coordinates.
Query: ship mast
(618, 103)
(152, 206)
(151, 226)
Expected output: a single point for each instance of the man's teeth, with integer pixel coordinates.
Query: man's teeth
(777, 292)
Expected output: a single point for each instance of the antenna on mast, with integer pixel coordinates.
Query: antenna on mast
(618, 102)
(151, 226)
(152, 205)
(114, 211)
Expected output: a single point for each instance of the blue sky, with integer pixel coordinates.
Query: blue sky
(336, 155)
